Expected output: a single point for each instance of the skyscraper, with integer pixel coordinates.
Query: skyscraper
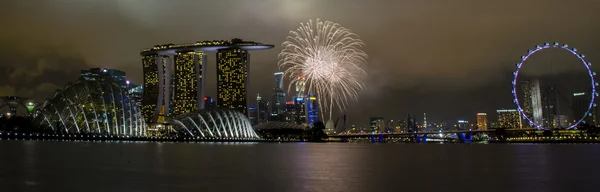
(155, 100)
(301, 87)
(296, 111)
(232, 79)
(550, 107)
(278, 80)
(279, 104)
(189, 82)
(410, 123)
(424, 120)
(261, 109)
(312, 109)
(509, 118)
(536, 102)
(527, 108)
(482, 121)
(253, 115)
(278, 107)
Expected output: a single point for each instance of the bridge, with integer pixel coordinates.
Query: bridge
(463, 136)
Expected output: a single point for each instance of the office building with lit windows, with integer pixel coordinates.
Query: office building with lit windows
(252, 115)
(482, 123)
(278, 107)
(509, 118)
(296, 111)
(312, 109)
(232, 79)
(262, 110)
(377, 124)
(189, 82)
(527, 100)
(278, 99)
(157, 88)
(301, 87)
(151, 87)
(185, 88)
(278, 80)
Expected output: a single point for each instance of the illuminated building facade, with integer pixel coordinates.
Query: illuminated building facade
(189, 82)
(278, 107)
(301, 86)
(424, 120)
(536, 102)
(278, 99)
(527, 108)
(377, 124)
(509, 118)
(232, 79)
(157, 85)
(278, 80)
(262, 110)
(312, 109)
(253, 115)
(183, 92)
(296, 111)
(150, 98)
(482, 121)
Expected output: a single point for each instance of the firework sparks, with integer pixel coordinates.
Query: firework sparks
(331, 60)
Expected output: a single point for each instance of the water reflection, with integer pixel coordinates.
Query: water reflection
(104, 166)
(29, 166)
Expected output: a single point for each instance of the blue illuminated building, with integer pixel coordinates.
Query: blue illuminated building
(312, 109)
(253, 115)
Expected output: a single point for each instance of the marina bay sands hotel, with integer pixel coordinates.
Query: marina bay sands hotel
(187, 91)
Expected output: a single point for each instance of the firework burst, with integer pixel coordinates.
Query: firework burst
(330, 59)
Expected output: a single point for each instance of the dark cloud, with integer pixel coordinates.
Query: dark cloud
(37, 71)
(450, 59)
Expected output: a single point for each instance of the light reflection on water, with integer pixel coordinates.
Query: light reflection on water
(105, 166)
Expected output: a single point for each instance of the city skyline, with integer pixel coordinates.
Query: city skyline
(435, 69)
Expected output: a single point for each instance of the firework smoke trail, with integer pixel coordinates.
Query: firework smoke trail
(331, 60)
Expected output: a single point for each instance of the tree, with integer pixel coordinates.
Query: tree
(18, 124)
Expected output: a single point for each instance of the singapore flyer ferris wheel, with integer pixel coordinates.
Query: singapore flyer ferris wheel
(534, 118)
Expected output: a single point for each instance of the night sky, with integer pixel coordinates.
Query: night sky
(450, 59)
